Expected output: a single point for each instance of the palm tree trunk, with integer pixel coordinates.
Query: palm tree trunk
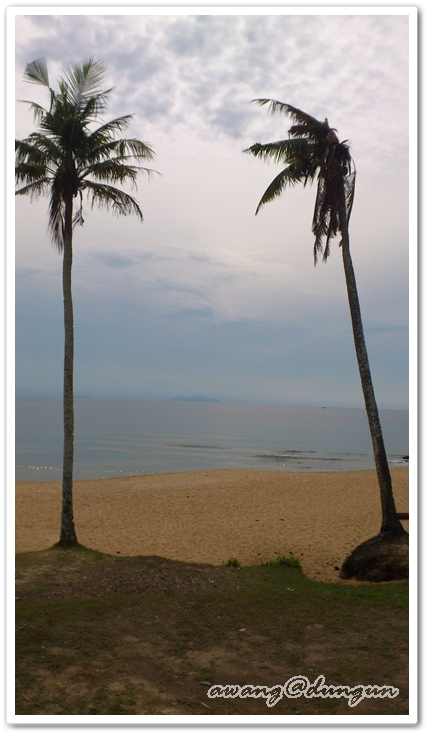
(390, 520)
(67, 533)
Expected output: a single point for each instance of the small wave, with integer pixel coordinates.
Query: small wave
(286, 453)
(399, 460)
(313, 453)
(36, 467)
(310, 456)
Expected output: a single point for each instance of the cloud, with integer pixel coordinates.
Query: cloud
(114, 261)
(202, 312)
(203, 290)
(202, 71)
(164, 284)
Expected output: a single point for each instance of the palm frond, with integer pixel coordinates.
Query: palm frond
(121, 150)
(280, 151)
(349, 192)
(99, 149)
(101, 146)
(316, 132)
(106, 131)
(115, 170)
(56, 214)
(25, 149)
(92, 107)
(349, 183)
(136, 148)
(322, 212)
(37, 148)
(38, 111)
(289, 176)
(112, 170)
(305, 125)
(29, 172)
(298, 116)
(111, 198)
(84, 79)
(36, 72)
(78, 217)
(326, 221)
(35, 189)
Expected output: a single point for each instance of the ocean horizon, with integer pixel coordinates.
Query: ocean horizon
(123, 437)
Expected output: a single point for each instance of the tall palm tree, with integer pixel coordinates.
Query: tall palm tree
(71, 153)
(313, 151)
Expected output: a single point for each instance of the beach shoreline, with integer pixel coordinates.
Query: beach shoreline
(210, 516)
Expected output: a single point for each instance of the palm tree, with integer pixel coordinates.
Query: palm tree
(73, 152)
(313, 151)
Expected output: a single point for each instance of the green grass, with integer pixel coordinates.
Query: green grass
(83, 650)
(284, 561)
(232, 562)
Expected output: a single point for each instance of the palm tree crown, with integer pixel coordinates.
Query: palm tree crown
(73, 151)
(311, 150)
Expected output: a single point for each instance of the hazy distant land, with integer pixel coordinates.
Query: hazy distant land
(195, 398)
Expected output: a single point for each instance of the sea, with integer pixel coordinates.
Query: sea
(116, 437)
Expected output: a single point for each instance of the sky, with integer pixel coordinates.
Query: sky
(204, 297)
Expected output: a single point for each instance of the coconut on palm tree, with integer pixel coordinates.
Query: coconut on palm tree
(74, 153)
(313, 151)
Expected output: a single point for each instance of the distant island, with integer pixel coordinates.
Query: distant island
(196, 398)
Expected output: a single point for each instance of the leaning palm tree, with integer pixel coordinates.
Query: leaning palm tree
(313, 151)
(72, 153)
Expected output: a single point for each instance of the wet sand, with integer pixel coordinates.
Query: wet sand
(210, 516)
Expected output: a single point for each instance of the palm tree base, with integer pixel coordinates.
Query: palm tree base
(379, 559)
(67, 543)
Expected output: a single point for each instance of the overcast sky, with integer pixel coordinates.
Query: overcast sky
(203, 297)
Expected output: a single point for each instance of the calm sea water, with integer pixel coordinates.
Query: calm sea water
(117, 438)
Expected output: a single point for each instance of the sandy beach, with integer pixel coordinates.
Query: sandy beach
(210, 516)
